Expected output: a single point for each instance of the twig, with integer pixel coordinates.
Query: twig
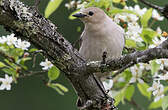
(31, 74)
(163, 10)
(121, 70)
(152, 5)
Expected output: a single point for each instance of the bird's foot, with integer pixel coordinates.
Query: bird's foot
(104, 56)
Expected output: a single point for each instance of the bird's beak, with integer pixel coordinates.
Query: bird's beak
(79, 15)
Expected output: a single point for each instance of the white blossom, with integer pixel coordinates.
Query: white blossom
(158, 93)
(162, 63)
(163, 77)
(144, 66)
(3, 39)
(10, 39)
(47, 64)
(159, 31)
(157, 90)
(155, 86)
(120, 17)
(6, 83)
(24, 45)
(74, 3)
(132, 18)
(137, 9)
(157, 41)
(134, 31)
(108, 84)
(157, 16)
(136, 74)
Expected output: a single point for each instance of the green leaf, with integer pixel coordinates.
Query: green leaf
(72, 17)
(146, 17)
(63, 88)
(119, 97)
(116, 1)
(129, 92)
(22, 61)
(51, 7)
(148, 34)
(33, 50)
(165, 103)
(154, 67)
(2, 64)
(155, 105)
(58, 87)
(143, 89)
(130, 43)
(116, 11)
(9, 71)
(135, 1)
(53, 73)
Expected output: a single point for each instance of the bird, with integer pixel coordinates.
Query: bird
(101, 34)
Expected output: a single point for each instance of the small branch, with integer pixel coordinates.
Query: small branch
(129, 60)
(32, 73)
(121, 70)
(151, 5)
(163, 10)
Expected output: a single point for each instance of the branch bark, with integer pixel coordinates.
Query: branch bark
(28, 24)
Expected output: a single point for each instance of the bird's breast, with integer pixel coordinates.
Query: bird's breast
(99, 41)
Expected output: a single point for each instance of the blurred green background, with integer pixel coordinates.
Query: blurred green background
(32, 94)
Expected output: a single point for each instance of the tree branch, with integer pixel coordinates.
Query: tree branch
(163, 10)
(28, 24)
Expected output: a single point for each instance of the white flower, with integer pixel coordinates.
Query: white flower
(24, 45)
(144, 66)
(158, 93)
(137, 9)
(120, 17)
(3, 39)
(108, 84)
(157, 90)
(132, 18)
(81, 6)
(157, 16)
(74, 3)
(159, 31)
(136, 74)
(157, 41)
(47, 64)
(11, 39)
(6, 82)
(155, 86)
(134, 31)
(162, 77)
(162, 63)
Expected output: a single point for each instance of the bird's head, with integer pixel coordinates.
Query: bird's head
(91, 15)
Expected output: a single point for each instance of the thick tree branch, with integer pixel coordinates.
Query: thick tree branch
(25, 22)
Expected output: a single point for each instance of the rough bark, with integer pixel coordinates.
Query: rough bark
(28, 24)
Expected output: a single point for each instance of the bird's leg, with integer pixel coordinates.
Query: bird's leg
(104, 56)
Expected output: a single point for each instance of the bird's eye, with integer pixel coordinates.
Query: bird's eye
(91, 13)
